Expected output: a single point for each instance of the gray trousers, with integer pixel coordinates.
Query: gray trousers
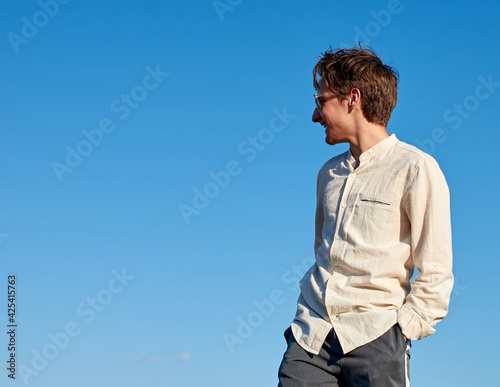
(380, 363)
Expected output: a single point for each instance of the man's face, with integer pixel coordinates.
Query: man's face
(333, 115)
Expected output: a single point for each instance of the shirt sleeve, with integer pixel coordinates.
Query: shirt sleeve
(427, 206)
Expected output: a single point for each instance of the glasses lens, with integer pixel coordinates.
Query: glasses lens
(316, 99)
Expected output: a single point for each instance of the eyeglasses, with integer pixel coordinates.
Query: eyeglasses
(318, 96)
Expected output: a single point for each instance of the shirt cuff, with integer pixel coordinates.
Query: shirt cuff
(412, 324)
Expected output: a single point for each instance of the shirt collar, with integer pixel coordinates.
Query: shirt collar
(375, 151)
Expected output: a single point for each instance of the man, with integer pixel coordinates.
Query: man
(382, 210)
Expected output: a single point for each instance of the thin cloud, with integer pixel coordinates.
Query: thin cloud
(157, 360)
(137, 357)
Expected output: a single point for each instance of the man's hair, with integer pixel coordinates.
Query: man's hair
(360, 68)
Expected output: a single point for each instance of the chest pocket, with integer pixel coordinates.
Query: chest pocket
(375, 200)
(375, 214)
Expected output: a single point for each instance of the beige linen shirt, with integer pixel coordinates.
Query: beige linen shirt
(374, 225)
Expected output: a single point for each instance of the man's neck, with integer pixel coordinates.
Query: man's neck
(368, 136)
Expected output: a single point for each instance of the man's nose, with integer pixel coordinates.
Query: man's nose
(316, 115)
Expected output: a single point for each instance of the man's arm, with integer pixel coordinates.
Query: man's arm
(427, 205)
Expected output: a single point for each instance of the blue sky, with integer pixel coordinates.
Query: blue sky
(150, 215)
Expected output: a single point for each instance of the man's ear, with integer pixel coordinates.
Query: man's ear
(354, 100)
(356, 97)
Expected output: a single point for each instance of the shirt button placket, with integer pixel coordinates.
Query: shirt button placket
(341, 209)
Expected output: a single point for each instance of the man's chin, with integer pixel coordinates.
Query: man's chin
(330, 141)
